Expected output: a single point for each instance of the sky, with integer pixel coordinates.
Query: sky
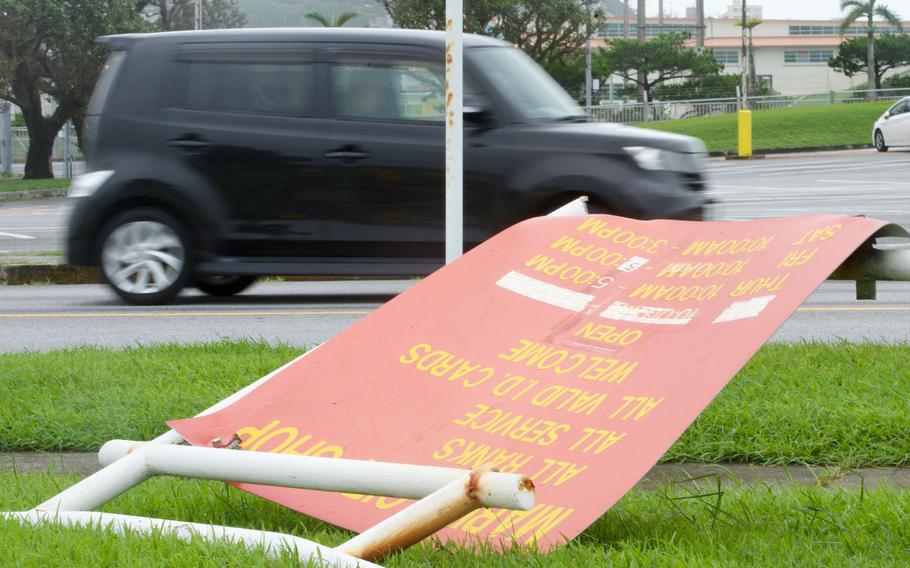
(778, 9)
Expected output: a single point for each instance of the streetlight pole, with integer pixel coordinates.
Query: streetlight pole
(745, 65)
(197, 14)
(588, 80)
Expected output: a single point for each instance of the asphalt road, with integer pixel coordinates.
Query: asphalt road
(307, 313)
(856, 182)
(31, 227)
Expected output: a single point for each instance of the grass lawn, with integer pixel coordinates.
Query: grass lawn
(828, 125)
(689, 524)
(17, 184)
(844, 405)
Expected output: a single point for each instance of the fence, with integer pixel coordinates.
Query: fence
(61, 151)
(673, 110)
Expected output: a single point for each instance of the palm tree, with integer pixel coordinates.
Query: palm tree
(868, 9)
(339, 21)
(750, 25)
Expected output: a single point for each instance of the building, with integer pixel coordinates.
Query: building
(790, 54)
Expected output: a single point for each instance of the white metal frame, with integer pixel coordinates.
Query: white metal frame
(445, 494)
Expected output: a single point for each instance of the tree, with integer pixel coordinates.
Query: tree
(48, 50)
(179, 14)
(859, 9)
(751, 23)
(655, 61)
(891, 51)
(550, 31)
(338, 22)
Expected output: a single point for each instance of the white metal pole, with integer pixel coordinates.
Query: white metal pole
(454, 134)
(588, 80)
(197, 15)
(310, 553)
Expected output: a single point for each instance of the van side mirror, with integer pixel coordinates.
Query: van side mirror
(476, 109)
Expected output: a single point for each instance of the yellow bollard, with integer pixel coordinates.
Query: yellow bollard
(745, 133)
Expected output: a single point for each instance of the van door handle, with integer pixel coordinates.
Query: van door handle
(347, 154)
(190, 143)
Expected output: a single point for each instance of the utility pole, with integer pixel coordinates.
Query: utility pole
(625, 20)
(642, 74)
(197, 14)
(700, 24)
(660, 14)
(745, 64)
(6, 138)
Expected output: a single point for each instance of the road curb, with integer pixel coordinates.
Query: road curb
(19, 274)
(31, 194)
(661, 475)
(803, 150)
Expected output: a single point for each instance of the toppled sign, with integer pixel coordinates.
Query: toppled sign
(573, 350)
(569, 350)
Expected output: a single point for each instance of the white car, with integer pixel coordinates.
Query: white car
(893, 127)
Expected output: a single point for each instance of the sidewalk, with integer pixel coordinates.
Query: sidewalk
(659, 476)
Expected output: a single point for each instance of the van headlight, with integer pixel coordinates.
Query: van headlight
(84, 185)
(648, 158)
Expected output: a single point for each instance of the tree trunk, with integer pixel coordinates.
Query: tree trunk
(870, 59)
(40, 147)
(753, 81)
(41, 134)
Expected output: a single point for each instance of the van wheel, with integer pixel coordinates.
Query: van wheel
(144, 256)
(221, 285)
(880, 142)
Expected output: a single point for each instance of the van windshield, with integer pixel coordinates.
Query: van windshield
(524, 84)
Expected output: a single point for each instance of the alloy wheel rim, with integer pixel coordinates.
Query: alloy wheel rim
(143, 257)
(879, 140)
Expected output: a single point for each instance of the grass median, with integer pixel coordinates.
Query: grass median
(786, 128)
(686, 524)
(842, 404)
(18, 184)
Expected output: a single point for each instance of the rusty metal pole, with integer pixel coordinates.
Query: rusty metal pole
(454, 134)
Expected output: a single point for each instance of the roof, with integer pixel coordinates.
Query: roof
(781, 41)
(427, 38)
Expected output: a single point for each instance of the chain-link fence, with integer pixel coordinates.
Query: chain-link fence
(65, 155)
(672, 110)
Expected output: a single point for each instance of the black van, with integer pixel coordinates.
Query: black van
(215, 157)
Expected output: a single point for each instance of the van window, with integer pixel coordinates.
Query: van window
(408, 91)
(105, 81)
(271, 88)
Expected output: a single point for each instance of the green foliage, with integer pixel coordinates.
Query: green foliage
(652, 62)
(868, 10)
(17, 184)
(693, 522)
(180, 14)
(707, 87)
(793, 128)
(552, 32)
(901, 81)
(338, 22)
(891, 51)
(47, 48)
(813, 403)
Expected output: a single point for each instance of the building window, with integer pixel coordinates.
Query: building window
(727, 56)
(808, 55)
(615, 30)
(835, 30)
